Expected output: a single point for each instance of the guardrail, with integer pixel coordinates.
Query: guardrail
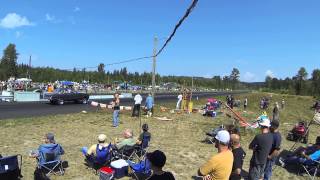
(6, 98)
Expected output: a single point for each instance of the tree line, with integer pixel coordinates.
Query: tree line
(10, 68)
(299, 84)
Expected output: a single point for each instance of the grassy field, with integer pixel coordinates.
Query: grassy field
(180, 139)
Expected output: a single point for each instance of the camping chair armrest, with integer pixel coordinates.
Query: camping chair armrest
(316, 161)
(49, 162)
(20, 165)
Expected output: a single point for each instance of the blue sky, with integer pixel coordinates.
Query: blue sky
(257, 37)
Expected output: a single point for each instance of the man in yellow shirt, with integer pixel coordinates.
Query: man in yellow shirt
(219, 166)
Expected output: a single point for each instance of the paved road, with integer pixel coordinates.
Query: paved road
(31, 109)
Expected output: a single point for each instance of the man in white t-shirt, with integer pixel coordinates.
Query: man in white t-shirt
(179, 101)
(137, 103)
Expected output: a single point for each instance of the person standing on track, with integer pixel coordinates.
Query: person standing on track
(116, 110)
(137, 104)
(178, 106)
(149, 105)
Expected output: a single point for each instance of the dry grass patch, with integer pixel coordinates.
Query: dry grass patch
(180, 139)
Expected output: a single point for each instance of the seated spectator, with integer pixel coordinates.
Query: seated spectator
(49, 146)
(238, 157)
(127, 139)
(157, 160)
(307, 150)
(143, 135)
(220, 165)
(302, 157)
(97, 152)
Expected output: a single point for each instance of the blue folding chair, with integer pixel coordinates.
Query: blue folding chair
(52, 164)
(10, 167)
(141, 170)
(143, 148)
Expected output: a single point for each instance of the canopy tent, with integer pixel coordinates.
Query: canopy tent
(67, 83)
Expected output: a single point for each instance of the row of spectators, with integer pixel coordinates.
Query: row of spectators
(100, 150)
(227, 164)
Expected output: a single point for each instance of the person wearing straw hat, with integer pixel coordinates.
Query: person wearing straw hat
(93, 149)
(261, 146)
(219, 166)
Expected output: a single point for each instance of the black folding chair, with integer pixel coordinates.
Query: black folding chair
(129, 153)
(10, 167)
(312, 170)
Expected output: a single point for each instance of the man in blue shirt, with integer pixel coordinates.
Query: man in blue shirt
(49, 146)
(149, 105)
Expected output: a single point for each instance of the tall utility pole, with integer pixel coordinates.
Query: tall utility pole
(155, 42)
(191, 88)
(29, 68)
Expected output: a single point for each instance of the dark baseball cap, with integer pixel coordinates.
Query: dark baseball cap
(145, 127)
(157, 158)
(50, 137)
(275, 124)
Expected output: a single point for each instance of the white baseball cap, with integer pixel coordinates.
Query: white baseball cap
(265, 122)
(223, 136)
(102, 137)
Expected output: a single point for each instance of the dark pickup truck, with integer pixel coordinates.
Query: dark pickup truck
(60, 96)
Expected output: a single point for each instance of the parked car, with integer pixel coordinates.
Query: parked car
(62, 95)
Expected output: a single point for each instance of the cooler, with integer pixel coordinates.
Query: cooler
(106, 173)
(120, 168)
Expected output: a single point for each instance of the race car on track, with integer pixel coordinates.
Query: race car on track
(62, 95)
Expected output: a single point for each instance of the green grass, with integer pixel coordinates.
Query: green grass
(180, 139)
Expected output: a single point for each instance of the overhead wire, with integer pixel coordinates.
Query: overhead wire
(187, 13)
(189, 10)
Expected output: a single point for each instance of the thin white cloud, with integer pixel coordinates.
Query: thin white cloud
(18, 34)
(270, 73)
(72, 19)
(50, 17)
(249, 77)
(13, 20)
(76, 9)
(207, 76)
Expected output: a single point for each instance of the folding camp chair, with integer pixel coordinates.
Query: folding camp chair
(10, 168)
(52, 164)
(142, 149)
(129, 153)
(312, 169)
(141, 170)
(102, 158)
